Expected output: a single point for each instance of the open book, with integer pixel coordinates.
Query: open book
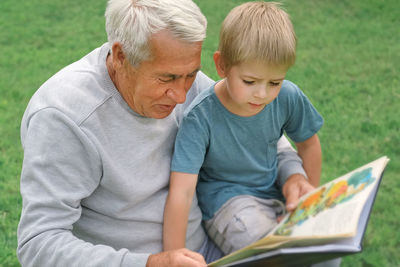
(329, 222)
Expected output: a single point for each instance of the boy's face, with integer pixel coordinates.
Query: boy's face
(250, 86)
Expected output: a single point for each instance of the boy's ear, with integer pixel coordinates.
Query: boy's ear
(219, 64)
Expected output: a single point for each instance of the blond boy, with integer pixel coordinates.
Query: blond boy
(227, 142)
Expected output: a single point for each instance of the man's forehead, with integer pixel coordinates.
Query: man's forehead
(168, 48)
(172, 57)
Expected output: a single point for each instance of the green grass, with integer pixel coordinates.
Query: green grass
(348, 63)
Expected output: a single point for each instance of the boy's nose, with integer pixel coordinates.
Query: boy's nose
(260, 92)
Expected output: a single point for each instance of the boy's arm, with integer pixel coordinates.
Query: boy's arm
(176, 213)
(310, 153)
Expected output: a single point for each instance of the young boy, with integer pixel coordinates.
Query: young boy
(227, 142)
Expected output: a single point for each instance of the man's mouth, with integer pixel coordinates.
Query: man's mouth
(166, 108)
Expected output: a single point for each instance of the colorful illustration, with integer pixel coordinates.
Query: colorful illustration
(327, 197)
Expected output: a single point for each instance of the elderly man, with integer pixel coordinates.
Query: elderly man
(98, 138)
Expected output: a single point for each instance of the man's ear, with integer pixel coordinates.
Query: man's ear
(118, 55)
(219, 64)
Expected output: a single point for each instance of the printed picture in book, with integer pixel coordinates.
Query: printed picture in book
(326, 198)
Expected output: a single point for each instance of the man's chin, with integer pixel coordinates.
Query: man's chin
(158, 117)
(161, 115)
(158, 111)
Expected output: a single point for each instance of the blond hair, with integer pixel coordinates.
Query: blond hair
(258, 31)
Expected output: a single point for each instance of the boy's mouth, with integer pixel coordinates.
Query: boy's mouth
(256, 105)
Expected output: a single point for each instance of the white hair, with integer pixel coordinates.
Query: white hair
(132, 22)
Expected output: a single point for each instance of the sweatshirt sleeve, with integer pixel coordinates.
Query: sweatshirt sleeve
(60, 168)
(289, 162)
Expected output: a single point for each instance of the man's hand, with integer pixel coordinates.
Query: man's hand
(174, 258)
(295, 187)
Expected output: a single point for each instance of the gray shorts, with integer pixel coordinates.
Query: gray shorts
(210, 251)
(243, 220)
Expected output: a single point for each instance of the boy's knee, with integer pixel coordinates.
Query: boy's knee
(246, 227)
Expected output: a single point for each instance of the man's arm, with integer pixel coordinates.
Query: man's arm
(60, 168)
(181, 191)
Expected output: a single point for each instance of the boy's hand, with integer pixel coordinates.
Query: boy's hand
(174, 258)
(295, 187)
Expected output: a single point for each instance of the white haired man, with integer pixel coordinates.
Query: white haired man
(98, 139)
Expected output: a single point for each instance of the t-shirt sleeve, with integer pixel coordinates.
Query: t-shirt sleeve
(303, 119)
(191, 144)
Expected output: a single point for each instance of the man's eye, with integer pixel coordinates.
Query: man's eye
(248, 82)
(165, 80)
(274, 84)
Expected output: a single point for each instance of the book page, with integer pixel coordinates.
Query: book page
(334, 208)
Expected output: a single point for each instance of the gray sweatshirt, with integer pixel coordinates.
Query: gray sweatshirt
(95, 174)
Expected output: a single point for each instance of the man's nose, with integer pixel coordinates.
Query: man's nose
(178, 90)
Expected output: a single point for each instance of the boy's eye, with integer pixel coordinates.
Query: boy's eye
(274, 84)
(248, 82)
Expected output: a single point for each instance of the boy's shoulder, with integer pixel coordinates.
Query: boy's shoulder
(201, 101)
(290, 92)
(289, 87)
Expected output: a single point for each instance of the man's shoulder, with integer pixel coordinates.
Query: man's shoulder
(75, 90)
(202, 82)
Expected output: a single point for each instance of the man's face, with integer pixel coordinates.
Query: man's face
(155, 87)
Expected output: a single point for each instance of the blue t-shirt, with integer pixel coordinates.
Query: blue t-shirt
(236, 155)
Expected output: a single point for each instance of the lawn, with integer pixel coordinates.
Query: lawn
(348, 62)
